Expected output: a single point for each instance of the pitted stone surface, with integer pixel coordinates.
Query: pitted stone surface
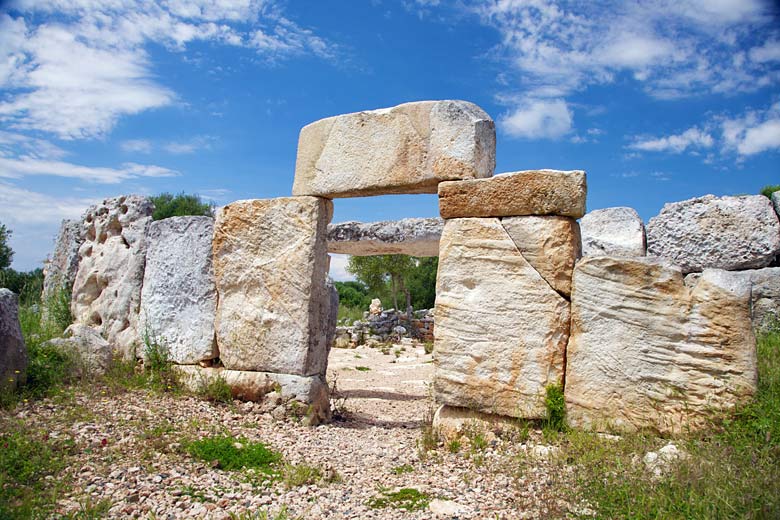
(270, 263)
(60, 270)
(107, 288)
(410, 236)
(531, 192)
(648, 352)
(776, 201)
(13, 351)
(550, 244)
(179, 296)
(501, 330)
(716, 232)
(613, 232)
(409, 148)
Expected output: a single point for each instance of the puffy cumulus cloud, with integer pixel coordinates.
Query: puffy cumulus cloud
(338, 268)
(754, 132)
(81, 65)
(538, 119)
(691, 138)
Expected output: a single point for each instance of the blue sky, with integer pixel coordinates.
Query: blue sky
(657, 100)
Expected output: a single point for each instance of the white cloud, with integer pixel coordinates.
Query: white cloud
(672, 48)
(770, 51)
(754, 132)
(82, 65)
(15, 168)
(136, 146)
(338, 268)
(214, 194)
(201, 142)
(691, 138)
(20, 145)
(538, 119)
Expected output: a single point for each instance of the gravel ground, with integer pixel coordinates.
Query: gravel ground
(128, 451)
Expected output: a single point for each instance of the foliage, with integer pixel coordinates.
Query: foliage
(28, 285)
(353, 294)
(179, 205)
(362, 369)
(556, 408)
(376, 272)
(296, 475)
(408, 499)
(231, 453)
(217, 390)
(6, 253)
(158, 367)
(349, 315)
(58, 308)
(422, 283)
(732, 467)
(767, 191)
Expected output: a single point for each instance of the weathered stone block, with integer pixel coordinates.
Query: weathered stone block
(410, 236)
(409, 148)
(61, 268)
(613, 232)
(271, 262)
(13, 351)
(312, 391)
(501, 330)
(550, 244)
(107, 288)
(532, 192)
(716, 232)
(179, 296)
(648, 352)
(94, 354)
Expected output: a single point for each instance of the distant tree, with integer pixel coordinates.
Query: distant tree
(767, 191)
(377, 271)
(422, 283)
(6, 253)
(180, 205)
(353, 294)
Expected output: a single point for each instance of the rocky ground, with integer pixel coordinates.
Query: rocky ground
(128, 452)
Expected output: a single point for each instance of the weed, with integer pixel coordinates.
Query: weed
(429, 437)
(403, 468)
(217, 391)
(428, 346)
(296, 475)
(90, 511)
(362, 369)
(282, 514)
(454, 446)
(408, 499)
(556, 408)
(358, 356)
(157, 365)
(230, 453)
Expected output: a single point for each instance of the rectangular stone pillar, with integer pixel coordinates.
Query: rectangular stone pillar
(270, 264)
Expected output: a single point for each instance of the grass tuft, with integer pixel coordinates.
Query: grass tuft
(408, 499)
(231, 453)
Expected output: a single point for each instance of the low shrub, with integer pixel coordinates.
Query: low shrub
(231, 453)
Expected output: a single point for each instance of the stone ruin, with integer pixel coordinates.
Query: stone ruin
(661, 341)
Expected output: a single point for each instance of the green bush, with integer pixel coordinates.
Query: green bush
(556, 408)
(353, 295)
(767, 191)
(180, 205)
(28, 285)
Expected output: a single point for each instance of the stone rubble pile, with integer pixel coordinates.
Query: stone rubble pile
(632, 341)
(386, 326)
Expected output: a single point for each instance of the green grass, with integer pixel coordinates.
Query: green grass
(349, 315)
(732, 469)
(231, 453)
(217, 390)
(296, 475)
(26, 458)
(767, 191)
(362, 369)
(403, 468)
(408, 499)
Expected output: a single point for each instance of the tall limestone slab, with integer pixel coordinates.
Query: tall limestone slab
(107, 288)
(271, 263)
(648, 352)
(409, 148)
(61, 268)
(179, 296)
(501, 329)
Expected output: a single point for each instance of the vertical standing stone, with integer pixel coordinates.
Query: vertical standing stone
(13, 352)
(107, 288)
(501, 329)
(271, 262)
(60, 270)
(648, 352)
(179, 297)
